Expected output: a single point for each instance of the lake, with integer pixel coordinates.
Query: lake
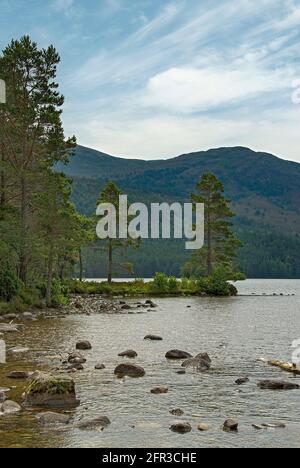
(235, 332)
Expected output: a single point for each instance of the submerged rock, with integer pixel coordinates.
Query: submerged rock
(181, 427)
(129, 354)
(153, 338)
(18, 375)
(201, 362)
(76, 358)
(159, 390)
(100, 366)
(83, 345)
(50, 419)
(129, 370)
(10, 407)
(203, 427)
(150, 303)
(51, 391)
(242, 381)
(230, 425)
(177, 354)
(101, 421)
(277, 385)
(177, 412)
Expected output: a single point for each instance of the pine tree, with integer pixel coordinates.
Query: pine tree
(221, 244)
(111, 194)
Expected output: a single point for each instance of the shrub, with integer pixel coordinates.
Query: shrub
(173, 284)
(160, 284)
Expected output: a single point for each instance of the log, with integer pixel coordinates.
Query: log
(285, 366)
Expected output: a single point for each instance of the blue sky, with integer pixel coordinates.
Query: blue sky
(156, 78)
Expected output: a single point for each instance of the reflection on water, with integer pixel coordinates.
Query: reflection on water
(234, 331)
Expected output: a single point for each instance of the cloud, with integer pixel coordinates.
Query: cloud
(164, 136)
(62, 5)
(188, 90)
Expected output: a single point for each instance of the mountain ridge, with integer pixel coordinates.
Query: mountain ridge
(264, 189)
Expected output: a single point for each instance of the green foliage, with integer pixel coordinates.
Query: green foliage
(162, 284)
(216, 284)
(9, 283)
(60, 293)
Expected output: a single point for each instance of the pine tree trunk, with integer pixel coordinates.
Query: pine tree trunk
(209, 244)
(49, 278)
(80, 265)
(110, 261)
(24, 231)
(2, 181)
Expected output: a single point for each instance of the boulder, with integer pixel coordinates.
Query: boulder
(2, 397)
(101, 421)
(10, 407)
(18, 375)
(201, 362)
(76, 366)
(277, 385)
(203, 427)
(129, 354)
(129, 370)
(150, 303)
(177, 354)
(83, 345)
(242, 381)
(52, 419)
(177, 412)
(230, 425)
(181, 427)
(76, 358)
(159, 390)
(153, 338)
(51, 391)
(100, 367)
(126, 307)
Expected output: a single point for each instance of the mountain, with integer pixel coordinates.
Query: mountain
(264, 189)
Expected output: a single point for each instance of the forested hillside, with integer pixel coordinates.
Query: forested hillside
(264, 189)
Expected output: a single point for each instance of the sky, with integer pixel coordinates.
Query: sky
(154, 79)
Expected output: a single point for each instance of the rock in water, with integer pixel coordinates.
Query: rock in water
(76, 358)
(177, 412)
(177, 354)
(151, 304)
(231, 425)
(83, 345)
(50, 419)
(242, 381)
(181, 427)
(129, 370)
(10, 407)
(153, 338)
(101, 421)
(100, 367)
(277, 385)
(51, 391)
(203, 427)
(201, 362)
(159, 390)
(18, 375)
(129, 354)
